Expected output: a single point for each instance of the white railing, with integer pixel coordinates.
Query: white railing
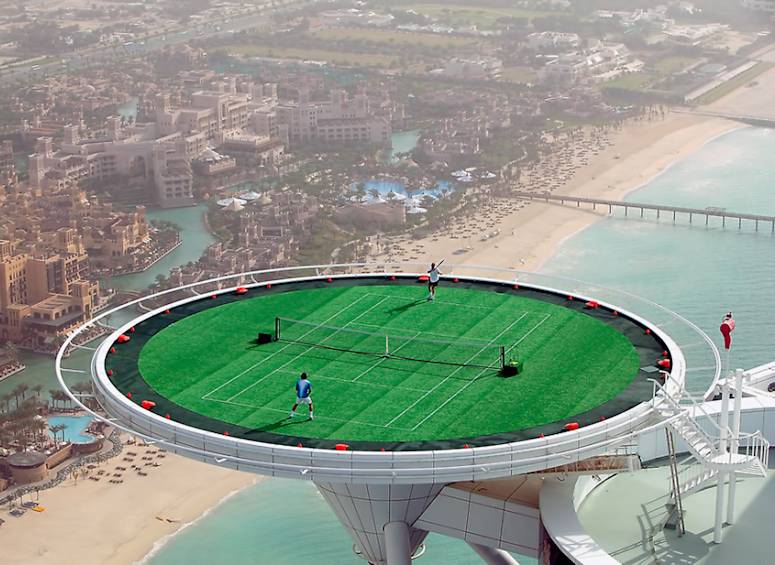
(692, 475)
(689, 401)
(479, 462)
(754, 446)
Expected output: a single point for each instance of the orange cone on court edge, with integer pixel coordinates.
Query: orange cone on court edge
(241, 290)
(110, 372)
(123, 338)
(148, 404)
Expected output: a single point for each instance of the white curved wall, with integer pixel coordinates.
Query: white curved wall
(408, 467)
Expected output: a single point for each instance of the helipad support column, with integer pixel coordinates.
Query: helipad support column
(397, 546)
(372, 512)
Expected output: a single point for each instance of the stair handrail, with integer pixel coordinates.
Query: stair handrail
(755, 445)
(711, 441)
(696, 405)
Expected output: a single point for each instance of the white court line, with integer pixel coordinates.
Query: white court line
(442, 302)
(273, 371)
(446, 336)
(264, 360)
(314, 375)
(282, 411)
(516, 343)
(472, 381)
(413, 404)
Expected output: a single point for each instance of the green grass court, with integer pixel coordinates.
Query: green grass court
(441, 383)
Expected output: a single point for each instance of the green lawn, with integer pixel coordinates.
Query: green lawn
(397, 38)
(519, 75)
(473, 14)
(207, 362)
(670, 65)
(343, 58)
(632, 81)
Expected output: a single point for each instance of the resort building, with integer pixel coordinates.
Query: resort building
(759, 5)
(43, 298)
(340, 119)
(138, 154)
(549, 40)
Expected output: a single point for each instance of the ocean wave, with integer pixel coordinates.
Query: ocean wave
(160, 543)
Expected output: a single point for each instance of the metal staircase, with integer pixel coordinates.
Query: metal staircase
(751, 458)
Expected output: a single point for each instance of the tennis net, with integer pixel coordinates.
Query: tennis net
(420, 347)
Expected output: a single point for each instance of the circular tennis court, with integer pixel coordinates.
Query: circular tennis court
(389, 369)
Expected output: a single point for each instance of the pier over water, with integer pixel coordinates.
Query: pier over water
(707, 213)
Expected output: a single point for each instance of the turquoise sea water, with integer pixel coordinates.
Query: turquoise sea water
(698, 271)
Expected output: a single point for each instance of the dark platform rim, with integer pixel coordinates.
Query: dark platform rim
(649, 346)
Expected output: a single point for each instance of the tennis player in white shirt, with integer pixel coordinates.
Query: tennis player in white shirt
(433, 281)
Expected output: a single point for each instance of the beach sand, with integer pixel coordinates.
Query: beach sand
(92, 522)
(529, 234)
(88, 522)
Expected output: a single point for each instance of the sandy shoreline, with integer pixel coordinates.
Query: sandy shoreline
(103, 523)
(100, 523)
(119, 524)
(528, 235)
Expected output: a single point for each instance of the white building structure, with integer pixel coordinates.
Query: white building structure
(497, 498)
(759, 5)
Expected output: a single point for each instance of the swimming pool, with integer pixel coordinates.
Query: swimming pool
(75, 430)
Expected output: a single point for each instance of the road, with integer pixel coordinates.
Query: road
(95, 56)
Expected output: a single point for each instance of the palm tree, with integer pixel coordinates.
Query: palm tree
(6, 401)
(54, 394)
(39, 428)
(37, 389)
(56, 428)
(23, 389)
(16, 393)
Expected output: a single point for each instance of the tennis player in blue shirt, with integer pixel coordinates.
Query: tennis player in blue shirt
(303, 395)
